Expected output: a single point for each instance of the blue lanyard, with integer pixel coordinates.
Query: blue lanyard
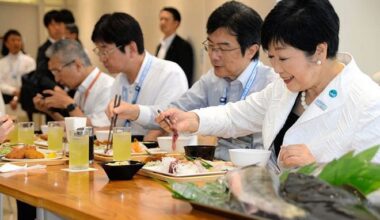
(223, 99)
(144, 73)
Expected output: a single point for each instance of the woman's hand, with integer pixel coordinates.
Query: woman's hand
(295, 155)
(5, 127)
(175, 119)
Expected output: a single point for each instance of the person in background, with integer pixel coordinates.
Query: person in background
(320, 108)
(13, 66)
(237, 72)
(172, 46)
(143, 79)
(72, 32)
(72, 68)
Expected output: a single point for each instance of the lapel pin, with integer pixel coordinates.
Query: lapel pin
(333, 93)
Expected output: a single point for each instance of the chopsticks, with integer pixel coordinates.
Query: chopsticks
(116, 103)
(166, 119)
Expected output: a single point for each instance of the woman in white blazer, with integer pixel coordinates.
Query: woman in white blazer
(321, 107)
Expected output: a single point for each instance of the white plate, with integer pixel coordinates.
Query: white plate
(41, 143)
(34, 160)
(151, 169)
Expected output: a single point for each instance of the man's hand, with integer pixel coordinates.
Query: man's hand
(5, 127)
(39, 103)
(124, 111)
(57, 99)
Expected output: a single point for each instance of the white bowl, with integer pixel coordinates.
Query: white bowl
(245, 157)
(102, 135)
(165, 143)
(44, 129)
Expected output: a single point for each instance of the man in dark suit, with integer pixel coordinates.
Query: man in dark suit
(173, 47)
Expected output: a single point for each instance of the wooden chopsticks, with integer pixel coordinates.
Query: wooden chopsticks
(116, 103)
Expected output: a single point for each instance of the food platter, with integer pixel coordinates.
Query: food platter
(182, 170)
(149, 169)
(223, 212)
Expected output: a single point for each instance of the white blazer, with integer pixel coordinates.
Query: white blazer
(331, 126)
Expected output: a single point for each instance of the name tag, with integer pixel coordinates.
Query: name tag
(321, 104)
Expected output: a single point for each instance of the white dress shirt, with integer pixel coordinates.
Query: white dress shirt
(12, 68)
(165, 44)
(207, 91)
(344, 117)
(95, 104)
(165, 81)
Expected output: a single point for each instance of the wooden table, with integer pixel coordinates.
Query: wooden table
(89, 195)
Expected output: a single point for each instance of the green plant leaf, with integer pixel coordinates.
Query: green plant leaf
(355, 170)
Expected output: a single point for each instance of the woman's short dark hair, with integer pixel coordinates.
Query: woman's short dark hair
(4, 49)
(119, 28)
(240, 20)
(302, 24)
(174, 12)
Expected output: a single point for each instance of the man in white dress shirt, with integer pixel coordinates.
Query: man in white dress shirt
(143, 79)
(13, 66)
(236, 73)
(71, 67)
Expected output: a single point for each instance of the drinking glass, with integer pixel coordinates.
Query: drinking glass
(121, 143)
(55, 135)
(26, 132)
(13, 135)
(78, 149)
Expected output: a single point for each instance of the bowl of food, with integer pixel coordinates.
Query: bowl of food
(102, 135)
(150, 144)
(165, 143)
(203, 151)
(245, 157)
(121, 170)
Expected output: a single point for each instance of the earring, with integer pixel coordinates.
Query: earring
(319, 62)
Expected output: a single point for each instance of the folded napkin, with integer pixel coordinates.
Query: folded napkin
(8, 167)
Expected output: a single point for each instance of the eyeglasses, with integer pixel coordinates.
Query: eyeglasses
(105, 53)
(57, 71)
(222, 48)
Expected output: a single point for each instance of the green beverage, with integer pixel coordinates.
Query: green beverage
(13, 136)
(55, 138)
(26, 132)
(78, 148)
(121, 144)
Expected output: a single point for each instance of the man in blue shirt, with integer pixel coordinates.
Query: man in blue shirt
(233, 44)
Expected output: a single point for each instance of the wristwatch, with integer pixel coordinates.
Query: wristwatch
(71, 107)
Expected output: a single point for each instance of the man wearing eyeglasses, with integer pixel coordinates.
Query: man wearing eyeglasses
(143, 79)
(232, 44)
(71, 67)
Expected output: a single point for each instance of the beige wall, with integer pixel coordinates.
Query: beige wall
(24, 18)
(360, 24)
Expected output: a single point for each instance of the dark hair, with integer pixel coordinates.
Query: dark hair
(52, 15)
(302, 24)
(67, 16)
(73, 28)
(119, 28)
(174, 12)
(240, 20)
(5, 50)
